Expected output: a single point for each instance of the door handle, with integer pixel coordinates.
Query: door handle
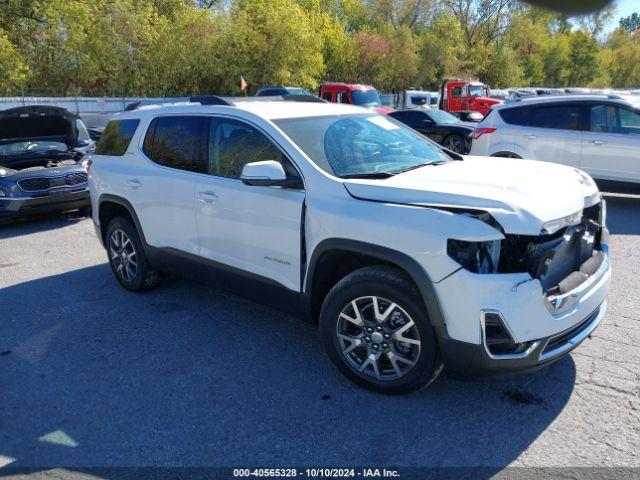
(207, 197)
(599, 142)
(531, 137)
(133, 183)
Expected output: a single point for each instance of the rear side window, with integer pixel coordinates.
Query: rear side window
(515, 116)
(561, 117)
(176, 142)
(116, 137)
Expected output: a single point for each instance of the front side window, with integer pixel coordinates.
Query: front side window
(176, 142)
(456, 92)
(233, 144)
(629, 121)
(116, 137)
(562, 117)
(603, 119)
(361, 145)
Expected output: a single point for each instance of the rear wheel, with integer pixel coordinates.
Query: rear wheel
(455, 143)
(127, 258)
(375, 329)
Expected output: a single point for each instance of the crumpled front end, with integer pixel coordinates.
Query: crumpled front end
(541, 298)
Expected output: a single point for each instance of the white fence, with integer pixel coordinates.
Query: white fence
(73, 104)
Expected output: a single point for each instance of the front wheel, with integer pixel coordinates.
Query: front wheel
(376, 331)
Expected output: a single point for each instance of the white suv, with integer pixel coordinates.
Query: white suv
(410, 257)
(599, 134)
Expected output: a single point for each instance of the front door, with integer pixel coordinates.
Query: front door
(610, 147)
(253, 228)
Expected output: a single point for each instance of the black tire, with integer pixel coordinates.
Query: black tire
(395, 286)
(506, 155)
(145, 276)
(455, 143)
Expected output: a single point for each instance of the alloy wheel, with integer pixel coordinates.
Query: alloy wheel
(378, 338)
(123, 255)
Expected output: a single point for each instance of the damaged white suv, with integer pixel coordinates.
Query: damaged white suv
(410, 257)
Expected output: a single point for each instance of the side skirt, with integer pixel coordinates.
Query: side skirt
(175, 263)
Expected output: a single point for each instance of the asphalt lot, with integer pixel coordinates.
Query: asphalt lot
(93, 375)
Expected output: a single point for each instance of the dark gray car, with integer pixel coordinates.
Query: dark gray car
(41, 161)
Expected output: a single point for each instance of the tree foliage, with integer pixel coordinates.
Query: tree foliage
(182, 47)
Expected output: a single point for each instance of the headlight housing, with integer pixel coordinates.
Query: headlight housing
(553, 226)
(6, 172)
(477, 257)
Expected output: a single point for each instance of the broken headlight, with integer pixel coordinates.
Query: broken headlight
(477, 257)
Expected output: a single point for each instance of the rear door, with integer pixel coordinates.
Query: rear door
(256, 229)
(611, 146)
(164, 192)
(553, 134)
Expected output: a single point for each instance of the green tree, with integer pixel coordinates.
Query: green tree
(13, 70)
(631, 23)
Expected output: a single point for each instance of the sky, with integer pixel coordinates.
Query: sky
(625, 8)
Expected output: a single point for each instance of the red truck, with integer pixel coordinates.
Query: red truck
(462, 95)
(354, 94)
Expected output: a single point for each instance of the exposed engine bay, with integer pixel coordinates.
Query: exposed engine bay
(560, 261)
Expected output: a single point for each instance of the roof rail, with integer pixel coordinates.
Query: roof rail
(231, 101)
(209, 100)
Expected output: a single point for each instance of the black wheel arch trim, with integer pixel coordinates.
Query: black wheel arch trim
(419, 276)
(123, 202)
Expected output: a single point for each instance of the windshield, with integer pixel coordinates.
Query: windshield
(297, 91)
(359, 145)
(17, 148)
(441, 117)
(366, 98)
(476, 90)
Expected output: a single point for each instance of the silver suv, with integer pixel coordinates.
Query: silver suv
(599, 134)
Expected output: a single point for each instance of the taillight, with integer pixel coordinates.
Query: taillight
(478, 132)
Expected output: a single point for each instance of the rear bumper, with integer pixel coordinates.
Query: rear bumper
(19, 206)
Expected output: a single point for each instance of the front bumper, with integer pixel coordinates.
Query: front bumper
(11, 207)
(546, 329)
(468, 360)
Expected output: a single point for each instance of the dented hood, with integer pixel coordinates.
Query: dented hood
(522, 195)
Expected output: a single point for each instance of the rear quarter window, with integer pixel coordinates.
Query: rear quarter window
(116, 137)
(515, 116)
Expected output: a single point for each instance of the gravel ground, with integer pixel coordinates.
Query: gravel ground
(93, 375)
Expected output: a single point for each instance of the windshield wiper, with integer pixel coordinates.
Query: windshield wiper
(414, 167)
(368, 175)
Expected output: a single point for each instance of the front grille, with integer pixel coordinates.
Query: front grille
(40, 184)
(559, 343)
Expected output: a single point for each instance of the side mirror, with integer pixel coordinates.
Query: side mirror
(266, 173)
